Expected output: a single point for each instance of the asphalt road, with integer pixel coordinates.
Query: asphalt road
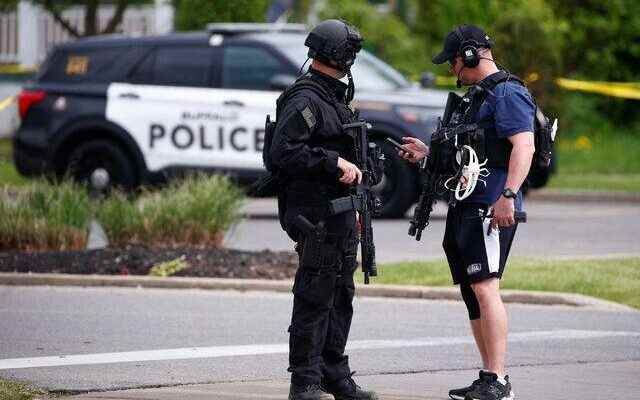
(166, 337)
(553, 230)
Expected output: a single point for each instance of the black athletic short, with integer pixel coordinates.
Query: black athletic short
(475, 253)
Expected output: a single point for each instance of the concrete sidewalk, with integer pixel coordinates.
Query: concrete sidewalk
(596, 381)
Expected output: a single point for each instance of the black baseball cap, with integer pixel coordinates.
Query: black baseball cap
(455, 38)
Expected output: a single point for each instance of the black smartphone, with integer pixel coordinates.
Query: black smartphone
(398, 146)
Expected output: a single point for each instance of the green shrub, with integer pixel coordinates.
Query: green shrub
(120, 217)
(196, 210)
(191, 212)
(42, 216)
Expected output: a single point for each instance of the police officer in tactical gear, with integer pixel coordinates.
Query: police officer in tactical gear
(315, 156)
(477, 247)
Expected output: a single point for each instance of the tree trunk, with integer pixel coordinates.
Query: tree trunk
(116, 19)
(51, 8)
(91, 18)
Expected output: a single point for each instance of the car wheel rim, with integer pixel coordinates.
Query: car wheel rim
(100, 179)
(96, 171)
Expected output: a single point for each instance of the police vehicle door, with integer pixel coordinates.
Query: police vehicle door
(168, 106)
(179, 120)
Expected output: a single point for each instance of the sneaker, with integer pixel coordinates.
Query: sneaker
(459, 394)
(347, 389)
(490, 389)
(309, 392)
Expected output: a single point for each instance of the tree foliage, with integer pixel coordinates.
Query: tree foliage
(196, 14)
(603, 42)
(385, 34)
(590, 40)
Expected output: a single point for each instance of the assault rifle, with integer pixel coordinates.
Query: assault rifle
(424, 207)
(438, 164)
(433, 175)
(362, 199)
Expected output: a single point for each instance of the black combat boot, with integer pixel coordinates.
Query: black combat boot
(308, 392)
(346, 389)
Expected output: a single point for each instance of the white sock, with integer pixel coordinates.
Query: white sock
(502, 380)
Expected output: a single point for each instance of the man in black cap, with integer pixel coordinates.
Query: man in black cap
(477, 247)
(315, 156)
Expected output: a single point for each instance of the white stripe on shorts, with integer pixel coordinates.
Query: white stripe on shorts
(491, 245)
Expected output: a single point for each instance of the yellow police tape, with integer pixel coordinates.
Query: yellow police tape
(16, 69)
(6, 102)
(445, 80)
(625, 90)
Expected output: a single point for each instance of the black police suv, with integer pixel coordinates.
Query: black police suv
(134, 111)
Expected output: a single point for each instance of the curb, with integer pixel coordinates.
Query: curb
(563, 196)
(392, 291)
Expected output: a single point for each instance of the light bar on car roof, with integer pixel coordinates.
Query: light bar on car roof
(238, 28)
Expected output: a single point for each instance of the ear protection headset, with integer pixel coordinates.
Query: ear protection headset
(468, 49)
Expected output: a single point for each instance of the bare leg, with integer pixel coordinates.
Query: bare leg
(493, 323)
(476, 328)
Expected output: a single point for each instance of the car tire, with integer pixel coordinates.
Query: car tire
(397, 189)
(97, 157)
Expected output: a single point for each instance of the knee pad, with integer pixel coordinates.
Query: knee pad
(470, 300)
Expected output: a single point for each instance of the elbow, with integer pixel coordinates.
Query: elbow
(525, 148)
(531, 148)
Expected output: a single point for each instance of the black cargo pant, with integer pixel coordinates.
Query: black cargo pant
(322, 302)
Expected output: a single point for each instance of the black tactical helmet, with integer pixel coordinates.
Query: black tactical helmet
(335, 43)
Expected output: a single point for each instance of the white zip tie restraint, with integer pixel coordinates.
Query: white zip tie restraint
(471, 174)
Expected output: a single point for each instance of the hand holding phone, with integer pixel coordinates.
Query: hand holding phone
(400, 147)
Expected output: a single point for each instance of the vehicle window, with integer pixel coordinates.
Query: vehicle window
(143, 72)
(97, 65)
(182, 66)
(369, 72)
(245, 67)
(373, 74)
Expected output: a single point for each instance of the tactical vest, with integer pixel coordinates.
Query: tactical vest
(277, 183)
(498, 150)
(305, 82)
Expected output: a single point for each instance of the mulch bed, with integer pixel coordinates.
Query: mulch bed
(138, 260)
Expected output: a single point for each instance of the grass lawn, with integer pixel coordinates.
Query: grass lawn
(611, 279)
(598, 163)
(5, 149)
(600, 154)
(595, 182)
(8, 173)
(10, 390)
